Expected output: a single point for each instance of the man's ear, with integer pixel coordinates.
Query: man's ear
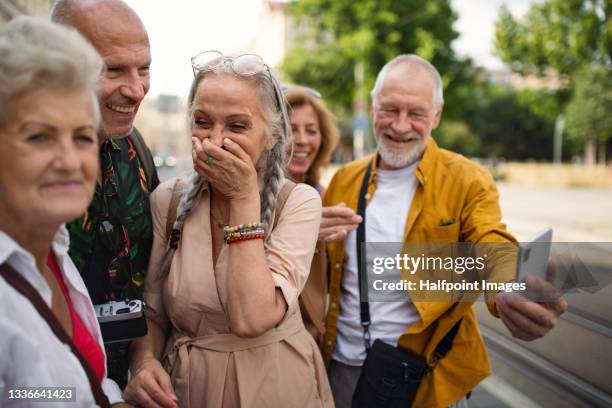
(437, 117)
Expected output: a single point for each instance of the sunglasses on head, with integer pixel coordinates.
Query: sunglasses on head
(245, 64)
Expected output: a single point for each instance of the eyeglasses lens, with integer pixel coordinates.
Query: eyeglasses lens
(206, 61)
(248, 64)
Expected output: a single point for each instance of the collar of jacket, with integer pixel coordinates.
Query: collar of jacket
(428, 161)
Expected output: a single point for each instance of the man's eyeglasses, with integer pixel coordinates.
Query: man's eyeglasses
(115, 237)
(245, 64)
(310, 91)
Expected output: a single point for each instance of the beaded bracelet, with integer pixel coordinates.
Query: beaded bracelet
(243, 232)
(260, 235)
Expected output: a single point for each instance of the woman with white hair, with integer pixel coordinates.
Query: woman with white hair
(49, 116)
(224, 323)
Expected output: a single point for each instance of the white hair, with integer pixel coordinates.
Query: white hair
(412, 60)
(271, 164)
(37, 53)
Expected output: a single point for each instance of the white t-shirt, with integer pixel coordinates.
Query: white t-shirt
(386, 216)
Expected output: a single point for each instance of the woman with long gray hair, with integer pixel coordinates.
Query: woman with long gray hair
(232, 249)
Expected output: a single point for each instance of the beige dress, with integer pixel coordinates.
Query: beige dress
(210, 366)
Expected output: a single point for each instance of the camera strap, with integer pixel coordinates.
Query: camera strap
(21, 285)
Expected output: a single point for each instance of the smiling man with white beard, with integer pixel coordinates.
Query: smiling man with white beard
(412, 191)
(405, 112)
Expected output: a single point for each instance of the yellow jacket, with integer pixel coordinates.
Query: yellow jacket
(450, 188)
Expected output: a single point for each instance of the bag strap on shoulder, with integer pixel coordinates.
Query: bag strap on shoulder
(281, 199)
(173, 208)
(22, 286)
(364, 306)
(446, 343)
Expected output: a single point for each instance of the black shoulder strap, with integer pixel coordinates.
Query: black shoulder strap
(362, 275)
(145, 157)
(26, 290)
(445, 345)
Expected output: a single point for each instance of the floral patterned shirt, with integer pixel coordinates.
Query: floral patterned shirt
(111, 243)
(117, 225)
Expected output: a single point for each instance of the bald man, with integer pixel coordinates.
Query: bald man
(111, 243)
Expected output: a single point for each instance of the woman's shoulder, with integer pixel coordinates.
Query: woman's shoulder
(302, 199)
(302, 192)
(165, 188)
(162, 195)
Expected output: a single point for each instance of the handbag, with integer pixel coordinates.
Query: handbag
(390, 376)
(26, 290)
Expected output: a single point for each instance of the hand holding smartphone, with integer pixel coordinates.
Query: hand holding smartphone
(534, 254)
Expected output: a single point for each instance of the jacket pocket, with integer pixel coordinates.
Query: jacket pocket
(446, 233)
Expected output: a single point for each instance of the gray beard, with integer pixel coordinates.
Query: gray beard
(397, 159)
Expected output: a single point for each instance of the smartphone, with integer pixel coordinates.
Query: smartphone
(534, 254)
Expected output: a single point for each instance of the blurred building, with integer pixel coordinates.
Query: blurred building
(163, 120)
(10, 9)
(273, 38)
(163, 123)
(508, 78)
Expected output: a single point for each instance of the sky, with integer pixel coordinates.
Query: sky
(476, 27)
(182, 28)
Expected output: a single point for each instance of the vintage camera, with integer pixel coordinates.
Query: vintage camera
(121, 320)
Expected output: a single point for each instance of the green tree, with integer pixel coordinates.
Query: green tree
(561, 38)
(457, 136)
(337, 35)
(558, 35)
(589, 113)
(507, 126)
